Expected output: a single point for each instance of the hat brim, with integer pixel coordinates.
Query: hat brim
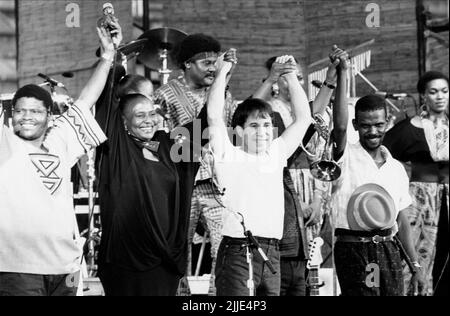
(364, 221)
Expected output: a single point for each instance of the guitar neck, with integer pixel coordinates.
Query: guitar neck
(314, 281)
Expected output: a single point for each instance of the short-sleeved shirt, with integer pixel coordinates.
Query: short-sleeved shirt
(37, 219)
(359, 168)
(253, 187)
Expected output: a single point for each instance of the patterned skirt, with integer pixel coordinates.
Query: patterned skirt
(424, 214)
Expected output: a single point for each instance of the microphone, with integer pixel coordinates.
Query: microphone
(106, 21)
(51, 81)
(394, 96)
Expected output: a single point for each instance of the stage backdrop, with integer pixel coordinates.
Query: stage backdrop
(307, 28)
(48, 44)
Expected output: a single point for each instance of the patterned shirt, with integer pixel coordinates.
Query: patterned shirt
(183, 105)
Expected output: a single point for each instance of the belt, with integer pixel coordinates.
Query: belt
(241, 241)
(375, 239)
(357, 233)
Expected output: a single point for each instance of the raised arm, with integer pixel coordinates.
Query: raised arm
(294, 134)
(326, 91)
(94, 87)
(216, 102)
(340, 108)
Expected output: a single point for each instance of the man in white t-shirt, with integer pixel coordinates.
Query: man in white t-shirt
(252, 176)
(372, 231)
(39, 255)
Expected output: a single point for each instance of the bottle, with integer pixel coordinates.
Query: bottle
(108, 17)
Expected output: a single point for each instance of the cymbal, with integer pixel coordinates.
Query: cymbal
(128, 49)
(133, 47)
(158, 40)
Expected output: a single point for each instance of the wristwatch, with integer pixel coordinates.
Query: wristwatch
(329, 85)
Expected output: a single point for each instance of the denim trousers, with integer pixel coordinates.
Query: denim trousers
(22, 284)
(293, 277)
(232, 269)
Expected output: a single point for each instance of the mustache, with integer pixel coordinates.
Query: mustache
(373, 136)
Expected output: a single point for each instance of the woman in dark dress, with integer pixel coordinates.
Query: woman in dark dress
(423, 141)
(145, 196)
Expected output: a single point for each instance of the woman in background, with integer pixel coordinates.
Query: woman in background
(423, 141)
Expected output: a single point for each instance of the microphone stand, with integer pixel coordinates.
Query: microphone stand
(252, 243)
(90, 256)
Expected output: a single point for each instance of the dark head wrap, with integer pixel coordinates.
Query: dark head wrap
(34, 91)
(427, 77)
(194, 44)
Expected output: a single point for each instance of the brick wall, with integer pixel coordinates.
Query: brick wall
(437, 58)
(47, 45)
(257, 29)
(8, 75)
(394, 54)
(307, 29)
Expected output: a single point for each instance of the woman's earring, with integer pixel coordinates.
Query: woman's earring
(275, 90)
(424, 110)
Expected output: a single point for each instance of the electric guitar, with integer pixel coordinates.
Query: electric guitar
(314, 261)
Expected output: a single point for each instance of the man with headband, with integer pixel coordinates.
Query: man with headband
(39, 255)
(183, 98)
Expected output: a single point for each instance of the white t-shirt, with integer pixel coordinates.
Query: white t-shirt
(37, 218)
(253, 187)
(359, 168)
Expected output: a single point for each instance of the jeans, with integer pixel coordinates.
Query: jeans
(21, 284)
(293, 282)
(232, 271)
(369, 269)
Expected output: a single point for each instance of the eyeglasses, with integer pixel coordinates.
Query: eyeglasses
(32, 112)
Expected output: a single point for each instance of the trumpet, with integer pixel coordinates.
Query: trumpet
(324, 169)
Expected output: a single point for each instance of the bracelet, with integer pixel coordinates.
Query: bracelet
(329, 85)
(107, 57)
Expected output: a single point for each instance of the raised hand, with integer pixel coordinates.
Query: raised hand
(280, 67)
(287, 65)
(227, 61)
(339, 58)
(109, 41)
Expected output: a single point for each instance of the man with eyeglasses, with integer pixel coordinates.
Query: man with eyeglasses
(183, 98)
(39, 255)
